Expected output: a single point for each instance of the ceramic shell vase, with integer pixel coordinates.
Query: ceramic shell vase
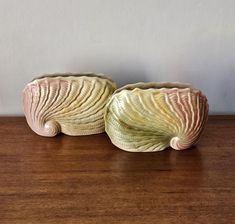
(68, 103)
(147, 117)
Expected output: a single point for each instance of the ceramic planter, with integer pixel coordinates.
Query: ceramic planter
(147, 117)
(69, 103)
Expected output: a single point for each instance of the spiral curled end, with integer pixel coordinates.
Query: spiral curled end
(176, 144)
(52, 128)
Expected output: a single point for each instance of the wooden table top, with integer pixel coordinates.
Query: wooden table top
(88, 180)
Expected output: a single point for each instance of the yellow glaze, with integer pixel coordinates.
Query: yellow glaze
(68, 103)
(147, 117)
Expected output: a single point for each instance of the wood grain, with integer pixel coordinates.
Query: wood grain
(88, 180)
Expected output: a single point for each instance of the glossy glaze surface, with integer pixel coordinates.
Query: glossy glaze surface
(68, 103)
(148, 117)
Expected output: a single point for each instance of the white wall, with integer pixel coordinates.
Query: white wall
(133, 40)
